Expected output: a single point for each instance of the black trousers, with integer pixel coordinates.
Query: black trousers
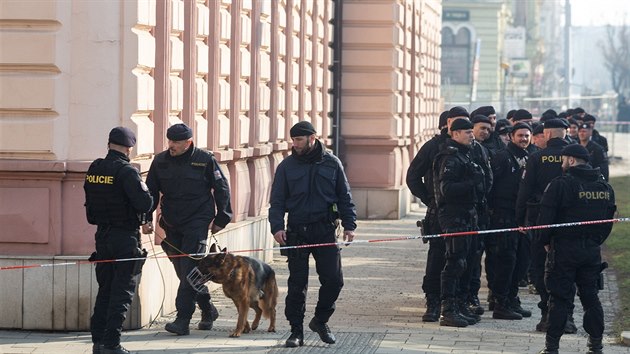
(574, 261)
(455, 277)
(327, 265)
(436, 257)
(116, 282)
(188, 239)
(537, 270)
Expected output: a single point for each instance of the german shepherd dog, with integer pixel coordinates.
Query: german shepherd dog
(249, 282)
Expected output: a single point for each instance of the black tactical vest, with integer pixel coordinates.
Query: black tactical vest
(585, 201)
(106, 203)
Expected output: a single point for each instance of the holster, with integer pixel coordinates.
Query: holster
(137, 267)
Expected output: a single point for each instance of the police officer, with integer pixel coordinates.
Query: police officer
(598, 156)
(493, 143)
(115, 200)
(503, 129)
(482, 131)
(311, 185)
(574, 254)
(459, 187)
(597, 137)
(542, 166)
(512, 248)
(420, 182)
(192, 186)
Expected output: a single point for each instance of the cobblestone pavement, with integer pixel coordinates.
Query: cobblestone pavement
(379, 311)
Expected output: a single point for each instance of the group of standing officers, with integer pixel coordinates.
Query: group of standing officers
(480, 173)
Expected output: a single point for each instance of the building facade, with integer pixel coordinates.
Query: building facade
(240, 73)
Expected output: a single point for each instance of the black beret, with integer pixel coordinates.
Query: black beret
(556, 123)
(585, 126)
(486, 111)
(550, 112)
(480, 118)
(576, 150)
(461, 124)
(510, 114)
(177, 132)
(570, 112)
(589, 118)
(443, 120)
(538, 129)
(562, 115)
(503, 126)
(303, 128)
(458, 111)
(572, 121)
(521, 125)
(522, 114)
(122, 136)
(578, 110)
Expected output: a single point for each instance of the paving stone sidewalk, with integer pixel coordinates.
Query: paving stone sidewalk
(379, 311)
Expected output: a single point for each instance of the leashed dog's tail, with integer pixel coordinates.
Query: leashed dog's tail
(269, 301)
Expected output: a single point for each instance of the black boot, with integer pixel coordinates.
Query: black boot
(462, 306)
(296, 339)
(96, 348)
(450, 315)
(552, 345)
(515, 305)
(433, 309)
(208, 316)
(179, 327)
(569, 326)
(474, 305)
(503, 311)
(594, 345)
(322, 329)
(114, 350)
(544, 320)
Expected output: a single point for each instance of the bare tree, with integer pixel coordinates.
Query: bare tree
(616, 51)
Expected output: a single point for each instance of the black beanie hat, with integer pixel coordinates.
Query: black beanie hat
(458, 111)
(510, 114)
(539, 129)
(122, 136)
(576, 150)
(461, 124)
(303, 128)
(522, 125)
(178, 132)
(480, 118)
(556, 123)
(589, 118)
(486, 111)
(503, 126)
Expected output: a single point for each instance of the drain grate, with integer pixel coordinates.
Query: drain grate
(347, 343)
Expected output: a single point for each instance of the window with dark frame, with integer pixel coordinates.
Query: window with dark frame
(456, 56)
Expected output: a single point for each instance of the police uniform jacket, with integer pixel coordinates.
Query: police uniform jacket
(599, 139)
(481, 156)
(507, 168)
(580, 195)
(308, 187)
(115, 194)
(459, 187)
(186, 182)
(420, 172)
(493, 144)
(542, 166)
(598, 158)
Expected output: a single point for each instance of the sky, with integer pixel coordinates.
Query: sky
(600, 12)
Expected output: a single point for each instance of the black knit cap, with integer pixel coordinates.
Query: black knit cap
(522, 114)
(539, 129)
(589, 118)
(443, 122)
(572, 121)
(178, 132)
(480, 118)
(303, 128)
(461, 124)
(556, 123)
(458, 111)
(522, 125)
(576, 150)
(510, 114)
(578, 110)
(122, 136)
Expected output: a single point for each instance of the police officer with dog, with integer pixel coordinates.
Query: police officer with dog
(311, 185)
(195, 198)
(116, 200)
(574, 253)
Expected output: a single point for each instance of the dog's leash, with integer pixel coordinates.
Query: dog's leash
(180, 251)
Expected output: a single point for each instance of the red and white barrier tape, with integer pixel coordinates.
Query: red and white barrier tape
(452, 234)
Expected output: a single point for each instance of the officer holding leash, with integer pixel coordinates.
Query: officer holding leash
(574, 253)
(311, 185)
(195, 198)
(116, 200)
